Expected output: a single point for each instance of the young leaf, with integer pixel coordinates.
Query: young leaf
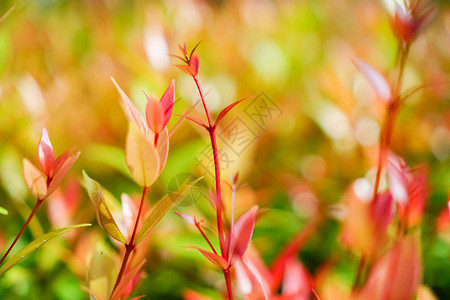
(35, 179)
(123, 289)
(130, 110)
(194, 64)
(31, 247)
(167, 101)
(161, 209)
(375, 79)
(225, 111)
(212, 257)
(142, 157)
(186, 69)
(45, 153)
(61, 168)
(104, 216)
(154, 114)
(186, 217)
(195, 120)
(243, 230)
(102, 272)
(398, 183)
(251, 281)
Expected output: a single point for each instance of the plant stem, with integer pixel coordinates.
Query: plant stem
(129, 247)
(387, 129)
(359, 273)
(33, 212)
(212, 135)
(227, 275)
(208, 116)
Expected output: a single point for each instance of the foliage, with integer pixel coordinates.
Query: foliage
(328, 179)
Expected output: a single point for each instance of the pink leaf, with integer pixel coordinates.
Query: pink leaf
(212, 257)
(45, 153)
(396, 274)
(296, 280)
(243, 230)
(62, 166)
(167, 101)
(250, 280)
(186, 217)
(155, 115)
(130, 110)
(398, 183)
(225, 111)
(375, 79)
(382, 211)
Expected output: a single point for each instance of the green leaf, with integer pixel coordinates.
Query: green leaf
(102, 272)
(31, 247)
(143, 159)
(162, 207)
(3, 211)
(104, 215)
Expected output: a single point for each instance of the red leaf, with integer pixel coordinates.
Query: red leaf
(194, 64)
(193, 50)
(62, 166)
(195, 120)
(45, 153)
(225, 111)
(375, 79)
(167, 101)
(212, 257)
(243, 230)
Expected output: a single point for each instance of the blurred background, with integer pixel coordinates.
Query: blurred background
(311, 125)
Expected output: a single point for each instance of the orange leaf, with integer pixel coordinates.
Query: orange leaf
(35, 179)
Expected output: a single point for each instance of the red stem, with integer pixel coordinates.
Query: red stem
(203, 101)
(387, 129)
(212, 135)
(205, 237)
(129, 247)
(33, 212)
(227, 275)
